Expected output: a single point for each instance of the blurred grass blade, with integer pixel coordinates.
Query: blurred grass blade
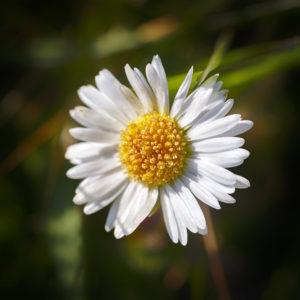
(221, 47)
(263, 66)
(249, 63)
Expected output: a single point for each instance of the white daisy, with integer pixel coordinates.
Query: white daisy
(136, 150)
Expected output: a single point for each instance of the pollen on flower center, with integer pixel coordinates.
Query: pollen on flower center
(153, 149)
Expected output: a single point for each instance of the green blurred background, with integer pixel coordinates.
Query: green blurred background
(49, 249)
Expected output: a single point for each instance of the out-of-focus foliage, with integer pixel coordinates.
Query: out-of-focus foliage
(50, 250)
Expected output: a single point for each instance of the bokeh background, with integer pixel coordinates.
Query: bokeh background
(49, 249)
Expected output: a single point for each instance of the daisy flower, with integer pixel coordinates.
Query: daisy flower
(137, 150)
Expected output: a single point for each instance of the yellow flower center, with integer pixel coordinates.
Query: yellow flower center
(153, 149)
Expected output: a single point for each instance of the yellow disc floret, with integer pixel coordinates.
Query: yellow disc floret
(153, 149)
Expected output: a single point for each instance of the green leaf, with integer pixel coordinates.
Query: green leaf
(217, 56)
(250, 64)
(263, 66)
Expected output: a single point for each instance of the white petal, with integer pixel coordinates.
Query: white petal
(147, 207)
(217, 110)
(224, 110)
(109, 77)
(221, 196)
(211, 81)
(131, 193)
(158, 88)
(214, 172)
(76, 161)
(177, 107)
(219, 95)
(95, 206)
(203, 231)
(112, 214)
(218, 144)
(213, 128)
(93, 168)
(239, 128)
(183, 217)
(95, 135)
(191, 203)
(130, 207)
(101, 188)
(200, 97)
(227, 189)
(163, 91)
(142, 208)
(141, 87)
(227, 159)
(181, 94)
(86, 150)
(199, 190)
(195, 103)
(118, 232)
(95, 119)
(110, 87)
(95, 99)
(181, 210)
(168, 214)
(201, 116)
(92, 97)
(131, 97)
(157, 64)
(82, 185)
(193, 173)
(218, 85)
(182, 231)
(241, 182)
(80, 153)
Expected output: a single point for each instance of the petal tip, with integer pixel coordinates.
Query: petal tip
(203, 231)
(107, 228)
(183, 243)
(70, 174)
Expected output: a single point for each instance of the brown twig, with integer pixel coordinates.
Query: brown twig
(212, 250)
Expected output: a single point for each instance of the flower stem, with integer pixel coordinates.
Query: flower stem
(212, 251)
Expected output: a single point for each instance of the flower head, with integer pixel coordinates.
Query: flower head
(136, 151)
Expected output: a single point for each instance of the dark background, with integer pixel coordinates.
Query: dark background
(49, 249)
